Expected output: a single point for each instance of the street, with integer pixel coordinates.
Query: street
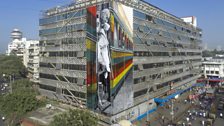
(188, 112)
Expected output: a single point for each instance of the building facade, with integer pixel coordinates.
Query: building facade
(213, 68)
(19, 46)
(18, 43)
(115, 57)
(32, 54)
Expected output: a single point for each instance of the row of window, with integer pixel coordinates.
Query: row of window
(144, 53)
(162, 64)
(61, 78)
(155, 20)
(63, 54)
(157, 76)
(69, 28)
(167, 34)
(212, 72)
(64, 91)
(64, 66)
(60, 17)
(144, 91)
(64, 41)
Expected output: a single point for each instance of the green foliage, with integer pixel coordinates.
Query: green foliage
(75, 117)
(12, 65)
(22, 100)
(22, 85)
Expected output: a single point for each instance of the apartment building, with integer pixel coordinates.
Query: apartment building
(32, 53)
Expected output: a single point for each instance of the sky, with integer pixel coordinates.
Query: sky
(25, 14)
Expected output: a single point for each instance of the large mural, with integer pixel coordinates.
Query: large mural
(109, 57)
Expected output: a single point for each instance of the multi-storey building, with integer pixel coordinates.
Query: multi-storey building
(115, 57)
(33, 61)
(19, 46)
(213, 68)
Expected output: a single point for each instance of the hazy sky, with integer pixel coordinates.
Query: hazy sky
(24, 14)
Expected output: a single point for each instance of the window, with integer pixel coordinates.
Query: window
(212, 72)
(216, 72)
(139, 93)
(47, 87)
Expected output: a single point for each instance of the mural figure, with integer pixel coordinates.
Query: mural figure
(103, 59)
(109, 57)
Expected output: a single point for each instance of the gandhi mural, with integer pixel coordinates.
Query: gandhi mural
(103, 69)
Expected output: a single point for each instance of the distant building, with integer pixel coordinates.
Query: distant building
(213, 68)
(19, 46)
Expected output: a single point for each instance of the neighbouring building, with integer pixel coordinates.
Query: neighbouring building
(33, 61)
(19, 46)
(213, 68)
(115, 57)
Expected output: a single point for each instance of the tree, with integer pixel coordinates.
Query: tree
(75, 117)
(12, 65)
(21, 101)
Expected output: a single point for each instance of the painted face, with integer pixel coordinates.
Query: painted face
(105, 15)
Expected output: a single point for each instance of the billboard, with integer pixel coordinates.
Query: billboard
(109, 57)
